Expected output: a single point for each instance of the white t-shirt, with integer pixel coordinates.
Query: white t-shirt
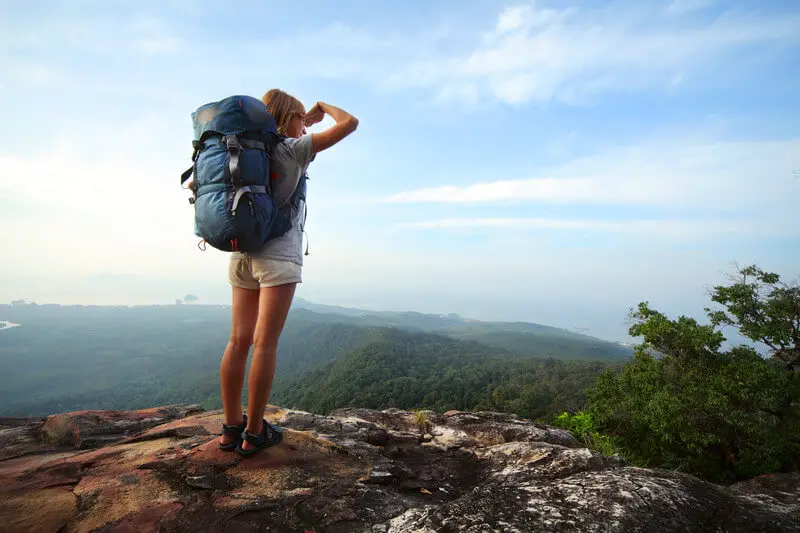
(290, 160)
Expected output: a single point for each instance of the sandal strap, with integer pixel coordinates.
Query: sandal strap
(234, 431)
(259, 439)
(267, 434)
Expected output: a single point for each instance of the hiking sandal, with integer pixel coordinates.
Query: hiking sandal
(235, 432)
(270, 436)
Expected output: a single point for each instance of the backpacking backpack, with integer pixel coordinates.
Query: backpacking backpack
(234, 208)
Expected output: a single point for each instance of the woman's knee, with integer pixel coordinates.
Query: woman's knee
(241, 341)
(265, 342)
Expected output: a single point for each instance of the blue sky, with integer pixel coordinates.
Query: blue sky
(556, 162)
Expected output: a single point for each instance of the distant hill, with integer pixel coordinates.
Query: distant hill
(85, 357)
(397, 368)
(521, 338)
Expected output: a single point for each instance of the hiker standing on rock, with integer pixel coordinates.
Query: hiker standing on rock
(264, 282)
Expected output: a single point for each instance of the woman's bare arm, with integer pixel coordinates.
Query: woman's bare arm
(345, 125)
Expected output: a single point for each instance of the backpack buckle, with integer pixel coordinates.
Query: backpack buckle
(232, 144)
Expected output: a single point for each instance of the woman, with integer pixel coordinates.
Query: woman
(264, 283)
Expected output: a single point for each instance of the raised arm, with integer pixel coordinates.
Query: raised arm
(345, 125)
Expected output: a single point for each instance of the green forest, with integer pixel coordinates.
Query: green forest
(397, 368)
(65, 358)
(685, 399)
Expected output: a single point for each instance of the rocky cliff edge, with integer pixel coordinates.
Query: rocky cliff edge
(357, 470)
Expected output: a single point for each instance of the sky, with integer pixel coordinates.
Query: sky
(555, 162)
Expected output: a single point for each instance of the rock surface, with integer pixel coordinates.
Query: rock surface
(357, 470)
(81, 429)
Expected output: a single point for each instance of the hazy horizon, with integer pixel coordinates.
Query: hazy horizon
(549, 162)
(618, 334)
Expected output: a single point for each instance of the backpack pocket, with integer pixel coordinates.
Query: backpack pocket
(257, 220)
(212, 217)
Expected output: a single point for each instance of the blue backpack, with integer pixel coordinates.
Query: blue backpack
(234, 206)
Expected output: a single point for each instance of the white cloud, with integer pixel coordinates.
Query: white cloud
(723, 176)
(512, 18)
(540, 54)
(679, 7)
(543, 189)
(528, 52)
(528, 16)
(95, 33)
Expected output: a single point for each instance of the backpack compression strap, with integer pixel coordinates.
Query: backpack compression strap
(254, 189)
(234, 145)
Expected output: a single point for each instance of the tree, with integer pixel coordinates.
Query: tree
(686, 404)
(763, 309)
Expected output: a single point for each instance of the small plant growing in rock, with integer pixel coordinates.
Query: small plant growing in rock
(583, 427)
(422, 421)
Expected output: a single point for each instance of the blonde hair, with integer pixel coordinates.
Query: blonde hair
(283, 107)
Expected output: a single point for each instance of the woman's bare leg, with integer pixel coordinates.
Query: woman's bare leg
(273, 307)
(234, 360)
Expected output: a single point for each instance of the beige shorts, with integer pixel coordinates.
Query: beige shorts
(254, 273)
